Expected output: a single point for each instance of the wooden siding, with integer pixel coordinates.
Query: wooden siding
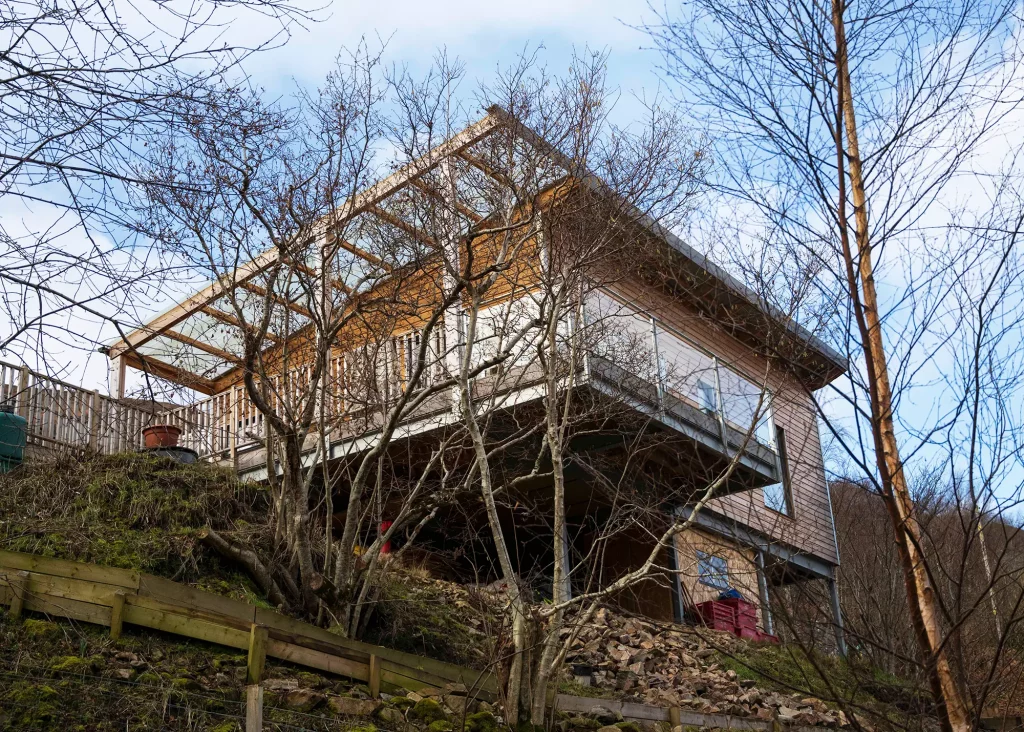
(742, 568)
(810, 528)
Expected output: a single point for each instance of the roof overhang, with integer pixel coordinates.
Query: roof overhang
(195, 342)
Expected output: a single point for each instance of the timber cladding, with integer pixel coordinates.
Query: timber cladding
(740, 570)
(810, 528)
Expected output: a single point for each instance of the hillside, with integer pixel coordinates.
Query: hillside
(139, 513)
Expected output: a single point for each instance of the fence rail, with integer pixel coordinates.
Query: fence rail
(114, 597)
(60, 414)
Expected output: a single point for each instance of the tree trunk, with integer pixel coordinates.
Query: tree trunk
(920, 593)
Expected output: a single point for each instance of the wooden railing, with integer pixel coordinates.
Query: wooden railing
(357, 379)
(60, 414)
(117, 597)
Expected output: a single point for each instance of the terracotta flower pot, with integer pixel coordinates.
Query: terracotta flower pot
(161, 435)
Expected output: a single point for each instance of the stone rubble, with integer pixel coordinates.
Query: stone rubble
(673, 666)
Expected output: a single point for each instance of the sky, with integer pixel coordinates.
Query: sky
(483, 36)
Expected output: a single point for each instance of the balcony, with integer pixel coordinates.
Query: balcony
(632, 358)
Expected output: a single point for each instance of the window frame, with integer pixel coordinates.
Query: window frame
(782, 465)
(707, 571)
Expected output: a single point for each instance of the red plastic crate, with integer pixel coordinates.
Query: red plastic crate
(743, 608)
(716, 615)
(733, 615)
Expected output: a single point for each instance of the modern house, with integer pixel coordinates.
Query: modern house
(724, 382)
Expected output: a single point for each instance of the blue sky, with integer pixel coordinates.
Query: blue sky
(484, 36)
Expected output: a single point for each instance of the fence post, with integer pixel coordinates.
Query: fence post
(254, 708)
(94, 421)
(374, 677)
(257, 654)
(19, 587)
(23, 397)
(674, 717)
(117, 615)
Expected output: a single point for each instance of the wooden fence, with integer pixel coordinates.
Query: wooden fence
(113, 597)
(62, 415)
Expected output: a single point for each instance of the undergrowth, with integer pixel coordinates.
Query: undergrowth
(416, 614)
(133, 511)
(789, 667)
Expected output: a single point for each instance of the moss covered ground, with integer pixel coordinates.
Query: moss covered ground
(789, 668)
(132, 511)
(59, 675)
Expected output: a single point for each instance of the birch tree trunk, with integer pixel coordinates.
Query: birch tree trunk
(920, 592)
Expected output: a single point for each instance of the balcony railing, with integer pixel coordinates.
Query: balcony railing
(62, 415)
(662, 365)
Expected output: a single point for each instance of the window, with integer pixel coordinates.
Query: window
(778, 496)
(706, 394)
(713, 571)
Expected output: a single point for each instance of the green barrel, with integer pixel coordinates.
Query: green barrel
(13, 431)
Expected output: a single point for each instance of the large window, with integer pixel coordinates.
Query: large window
(713, 570)
(778, 496)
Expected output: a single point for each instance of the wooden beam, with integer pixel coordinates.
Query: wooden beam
(403, 225)
(204, 347)
(117, 615)
(254, 708)
(257, 654)
(229, 319)
(171, 373)
(294, 307)
(19, 588)
(374, 676)
(486, 169)
(193, 304)
(462, 208)
(355, 205)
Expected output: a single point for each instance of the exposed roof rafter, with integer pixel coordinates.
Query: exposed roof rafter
(274, 297)
(229, 319)
(164, 370)
(403, 225)
(200, 346)
(462, 208)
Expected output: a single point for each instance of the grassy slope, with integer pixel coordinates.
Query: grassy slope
(132, 511)
(72, 677)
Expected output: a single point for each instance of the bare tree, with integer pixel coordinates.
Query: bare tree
(845, 131)
(88, 85)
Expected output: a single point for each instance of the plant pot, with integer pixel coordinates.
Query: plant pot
(161, 435)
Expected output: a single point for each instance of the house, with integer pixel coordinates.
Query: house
(683, 352)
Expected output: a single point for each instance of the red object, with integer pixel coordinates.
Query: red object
(386, 547)
(161, 435)
(732, 615)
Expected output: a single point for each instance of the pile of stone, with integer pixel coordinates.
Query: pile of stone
(676, 666)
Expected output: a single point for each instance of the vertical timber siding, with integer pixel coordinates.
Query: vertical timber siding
(810, 529)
